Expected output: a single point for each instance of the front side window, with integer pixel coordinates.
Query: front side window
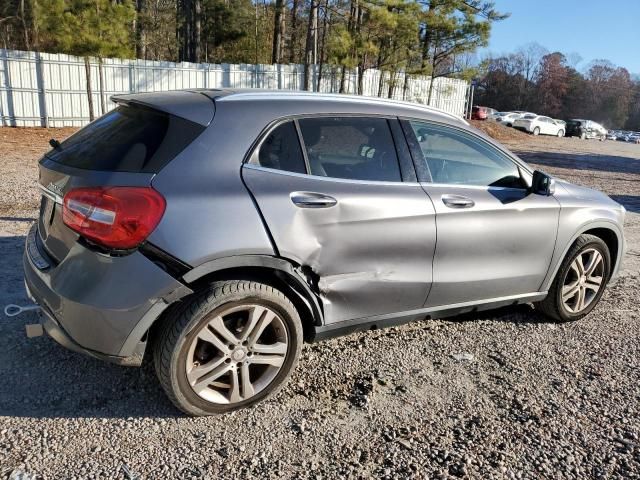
(454, 157)
(354, 148)
(281, 150)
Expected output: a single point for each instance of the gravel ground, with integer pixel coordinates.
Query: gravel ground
(504, 394)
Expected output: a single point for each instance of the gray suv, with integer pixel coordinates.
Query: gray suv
(216, 230)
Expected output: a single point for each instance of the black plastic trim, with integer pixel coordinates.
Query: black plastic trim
(174, 267)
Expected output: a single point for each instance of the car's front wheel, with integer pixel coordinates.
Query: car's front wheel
(560, 133)
(230, 346)
(580, 280)
(536, 131)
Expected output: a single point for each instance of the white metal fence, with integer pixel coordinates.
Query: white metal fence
(41, 89)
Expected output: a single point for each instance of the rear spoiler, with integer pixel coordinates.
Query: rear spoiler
(192, 106)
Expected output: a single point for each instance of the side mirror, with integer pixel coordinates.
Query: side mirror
(542, 184)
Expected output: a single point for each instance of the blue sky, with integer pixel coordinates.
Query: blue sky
(594, 29)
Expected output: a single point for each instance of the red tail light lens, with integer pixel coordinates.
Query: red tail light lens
(114, 217)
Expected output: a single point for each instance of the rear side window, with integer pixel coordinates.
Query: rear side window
(127, 139)
(281, 150)
(354, 148)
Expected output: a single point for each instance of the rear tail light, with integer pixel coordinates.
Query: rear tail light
(113, 217)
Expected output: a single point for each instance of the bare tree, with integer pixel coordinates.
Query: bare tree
(278, 32)
(294, 31)
(311, 49)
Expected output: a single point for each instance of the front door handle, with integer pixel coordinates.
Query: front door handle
(457, 201)
(312, 200)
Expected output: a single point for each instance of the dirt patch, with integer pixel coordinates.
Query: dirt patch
(498, 131)
(20, 150)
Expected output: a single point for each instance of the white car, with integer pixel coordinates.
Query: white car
(495, 116)
(508, 118)
(539, 125)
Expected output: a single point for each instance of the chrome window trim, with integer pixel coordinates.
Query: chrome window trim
(252, 166)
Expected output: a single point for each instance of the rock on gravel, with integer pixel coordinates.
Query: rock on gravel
(539, 400)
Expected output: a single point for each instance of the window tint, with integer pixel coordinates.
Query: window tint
(127, 139)
(352, 148)
(281, 150)
(456, 158)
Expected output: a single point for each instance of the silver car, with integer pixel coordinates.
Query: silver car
(216, 230)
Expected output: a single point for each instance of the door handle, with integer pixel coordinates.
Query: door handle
(457, 201)
(312, 200)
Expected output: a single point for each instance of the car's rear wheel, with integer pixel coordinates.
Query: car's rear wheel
(583, 136)
(229, 347)
(536, 131)
(580, 281)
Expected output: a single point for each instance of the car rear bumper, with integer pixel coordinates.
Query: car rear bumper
(97, 304)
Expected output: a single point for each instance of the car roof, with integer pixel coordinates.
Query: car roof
(358, 103)
(199, 104)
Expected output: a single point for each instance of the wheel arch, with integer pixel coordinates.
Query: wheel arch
(275, 271)
(608, 232)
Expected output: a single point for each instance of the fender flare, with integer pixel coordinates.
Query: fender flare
(292, 276)
(609, 225)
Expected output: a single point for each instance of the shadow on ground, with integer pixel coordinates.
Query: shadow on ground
(578, 161)
(630, 202)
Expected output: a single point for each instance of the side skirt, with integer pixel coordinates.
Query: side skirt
(338, 329)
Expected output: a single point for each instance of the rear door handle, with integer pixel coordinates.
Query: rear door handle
(457, 201)
(312, 200)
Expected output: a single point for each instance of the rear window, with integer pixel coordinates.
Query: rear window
(529, 117)
(127, 139)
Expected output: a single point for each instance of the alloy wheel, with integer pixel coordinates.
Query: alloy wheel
(583, 281)
(236, 353)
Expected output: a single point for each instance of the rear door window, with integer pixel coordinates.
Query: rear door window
(281, 150)
(127, 139)
(355, 148)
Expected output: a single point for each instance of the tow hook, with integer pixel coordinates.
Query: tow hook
(32, 330)
(13, 310)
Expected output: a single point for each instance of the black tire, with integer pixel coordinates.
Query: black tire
(172, 342)
(536, 131)
(560, 133)
(552, 306)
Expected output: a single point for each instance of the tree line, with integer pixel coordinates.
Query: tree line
(535, 80)
(401, 37)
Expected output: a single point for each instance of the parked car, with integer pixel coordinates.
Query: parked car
(496, 115)
(215, 230)
(634, 137)
(612, 135)
(481, 113)
(585, 129)
(539, 125)
(508, 118)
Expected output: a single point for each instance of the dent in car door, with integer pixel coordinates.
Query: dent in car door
(370, 244)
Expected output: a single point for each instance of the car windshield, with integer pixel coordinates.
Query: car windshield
(529, 117)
